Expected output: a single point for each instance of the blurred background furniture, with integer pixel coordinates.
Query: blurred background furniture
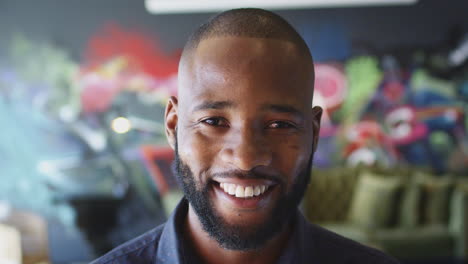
(31, 230)
(408, 214)
(10, 245)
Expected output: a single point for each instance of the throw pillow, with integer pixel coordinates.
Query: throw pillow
(410, 210)
(436, 199)
(374, 201)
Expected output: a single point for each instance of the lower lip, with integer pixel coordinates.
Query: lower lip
(250, 203)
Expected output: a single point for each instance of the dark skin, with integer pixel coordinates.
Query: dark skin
(244, 104)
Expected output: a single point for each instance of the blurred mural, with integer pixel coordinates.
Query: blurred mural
(380, 112)
(72, 131)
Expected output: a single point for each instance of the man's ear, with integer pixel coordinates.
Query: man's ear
(170, 120)
(316, 117)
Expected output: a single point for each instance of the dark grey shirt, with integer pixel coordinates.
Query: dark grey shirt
(308, 244)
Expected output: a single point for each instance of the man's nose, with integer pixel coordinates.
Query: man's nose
(246, 149)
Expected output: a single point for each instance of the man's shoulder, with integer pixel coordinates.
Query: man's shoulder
(137, 250)
(333, 248)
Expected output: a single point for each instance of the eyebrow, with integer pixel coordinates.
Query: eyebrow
(287, 109)
(214, 105)
(277, 108)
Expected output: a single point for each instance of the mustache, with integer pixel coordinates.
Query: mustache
(248, 175)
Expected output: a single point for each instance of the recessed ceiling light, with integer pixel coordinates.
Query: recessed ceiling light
(194, 6)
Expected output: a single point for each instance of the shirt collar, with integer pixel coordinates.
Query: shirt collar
(170, 249)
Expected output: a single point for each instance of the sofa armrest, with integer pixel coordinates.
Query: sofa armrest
(458, 223)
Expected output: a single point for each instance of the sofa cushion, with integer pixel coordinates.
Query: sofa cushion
(434, 241)
(410, 205)
(374, 201)
(329, 194)
(436, 192)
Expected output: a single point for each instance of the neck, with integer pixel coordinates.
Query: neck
(210, 251)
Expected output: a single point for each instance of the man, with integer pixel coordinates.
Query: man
(244, 134)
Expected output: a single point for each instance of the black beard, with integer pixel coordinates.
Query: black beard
(237, 237)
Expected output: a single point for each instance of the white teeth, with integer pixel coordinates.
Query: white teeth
(239, 191)
(243, 191)
(232, 189)
(248, 191)
(257, 191)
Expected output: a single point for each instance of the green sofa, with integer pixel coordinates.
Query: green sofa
(408, 214)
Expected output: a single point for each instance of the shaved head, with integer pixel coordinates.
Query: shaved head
(246, 22)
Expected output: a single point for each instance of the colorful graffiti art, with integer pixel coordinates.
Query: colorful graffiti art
(391, 116)
(64, 114)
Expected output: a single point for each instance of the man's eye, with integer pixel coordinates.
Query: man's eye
(215, 121)
(281, 124)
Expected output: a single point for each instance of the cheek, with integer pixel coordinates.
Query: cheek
(196, 151)
(291, 157)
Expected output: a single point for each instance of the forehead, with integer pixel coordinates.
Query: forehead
(232, 49)
(246, 68)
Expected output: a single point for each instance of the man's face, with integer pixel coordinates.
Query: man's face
(245, 136)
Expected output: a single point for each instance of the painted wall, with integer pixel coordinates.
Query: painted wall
(71, 23)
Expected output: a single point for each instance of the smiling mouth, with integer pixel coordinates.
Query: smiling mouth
(240, 191)
(244, 194)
